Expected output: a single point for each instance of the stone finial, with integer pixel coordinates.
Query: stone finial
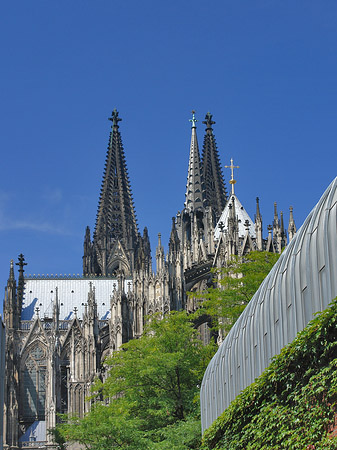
(115, 118)
(208, 121)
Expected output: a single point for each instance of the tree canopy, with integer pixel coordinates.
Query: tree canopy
(236, 285)
(151, 393)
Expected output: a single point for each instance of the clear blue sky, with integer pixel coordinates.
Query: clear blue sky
(266, 70)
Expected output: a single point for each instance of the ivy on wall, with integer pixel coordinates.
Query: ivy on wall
(292, 405)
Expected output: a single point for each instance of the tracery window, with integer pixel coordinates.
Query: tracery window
(34, 384)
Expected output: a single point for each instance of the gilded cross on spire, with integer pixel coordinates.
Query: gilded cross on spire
(193, 120)
(232, 181)
(114, 118)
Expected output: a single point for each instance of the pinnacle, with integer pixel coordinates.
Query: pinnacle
(11, 270)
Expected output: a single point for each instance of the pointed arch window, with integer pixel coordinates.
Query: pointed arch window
(34, 384)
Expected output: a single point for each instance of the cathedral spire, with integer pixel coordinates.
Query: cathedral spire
(21, 280)
(56, 311)
(10, 308)
(291, 226)
(194, 197)
(116, 210)
(116, 218)
(258, 226)
(276, 220)
(160, 255)
(215, 190)
(11, 271)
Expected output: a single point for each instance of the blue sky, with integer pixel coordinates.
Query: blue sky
(265, 69)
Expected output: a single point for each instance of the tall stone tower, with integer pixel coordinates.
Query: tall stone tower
(116, 240)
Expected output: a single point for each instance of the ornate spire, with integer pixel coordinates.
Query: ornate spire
(160, 255)
(291, 226)
(11, 271)
(10, 307)
(194, 197)
(116, 218)
(283, 233)
(56, 311)
(258, 226)
(215, 190)
(21, 280)
(258, 214)
(282, 223)
(276, 220)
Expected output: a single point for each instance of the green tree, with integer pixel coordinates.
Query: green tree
(237, 283)
(151, 394)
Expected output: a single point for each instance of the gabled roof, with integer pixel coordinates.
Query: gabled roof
(242, 216)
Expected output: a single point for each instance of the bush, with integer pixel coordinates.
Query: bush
(292, 405)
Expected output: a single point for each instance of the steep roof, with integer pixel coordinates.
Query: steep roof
(242, 217)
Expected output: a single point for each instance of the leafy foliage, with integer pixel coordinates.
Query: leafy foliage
(151, 394)
(292, 405)
(57, 438)
(238, 283)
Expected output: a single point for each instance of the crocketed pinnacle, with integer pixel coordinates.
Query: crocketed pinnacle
(215, 190)
(11, 271)
(292, 226)
(194, 197)
(258, 214)
(116, 218)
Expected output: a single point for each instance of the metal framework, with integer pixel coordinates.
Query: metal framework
(302, 282)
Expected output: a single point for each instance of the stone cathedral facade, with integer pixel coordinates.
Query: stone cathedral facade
(60, 329)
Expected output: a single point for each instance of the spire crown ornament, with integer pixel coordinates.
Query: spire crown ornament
(208, 121)
(115, 118)
(232, 167)
(193, 120)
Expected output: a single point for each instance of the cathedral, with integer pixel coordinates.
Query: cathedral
(59, 329)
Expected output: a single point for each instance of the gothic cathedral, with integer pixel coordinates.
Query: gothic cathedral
(59, 329)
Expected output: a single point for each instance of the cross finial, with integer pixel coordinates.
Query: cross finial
(37, 310)
(75, 311)
(208, 121)
(21, 262)
(232, 181)
(114, 118)
(193, 120)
